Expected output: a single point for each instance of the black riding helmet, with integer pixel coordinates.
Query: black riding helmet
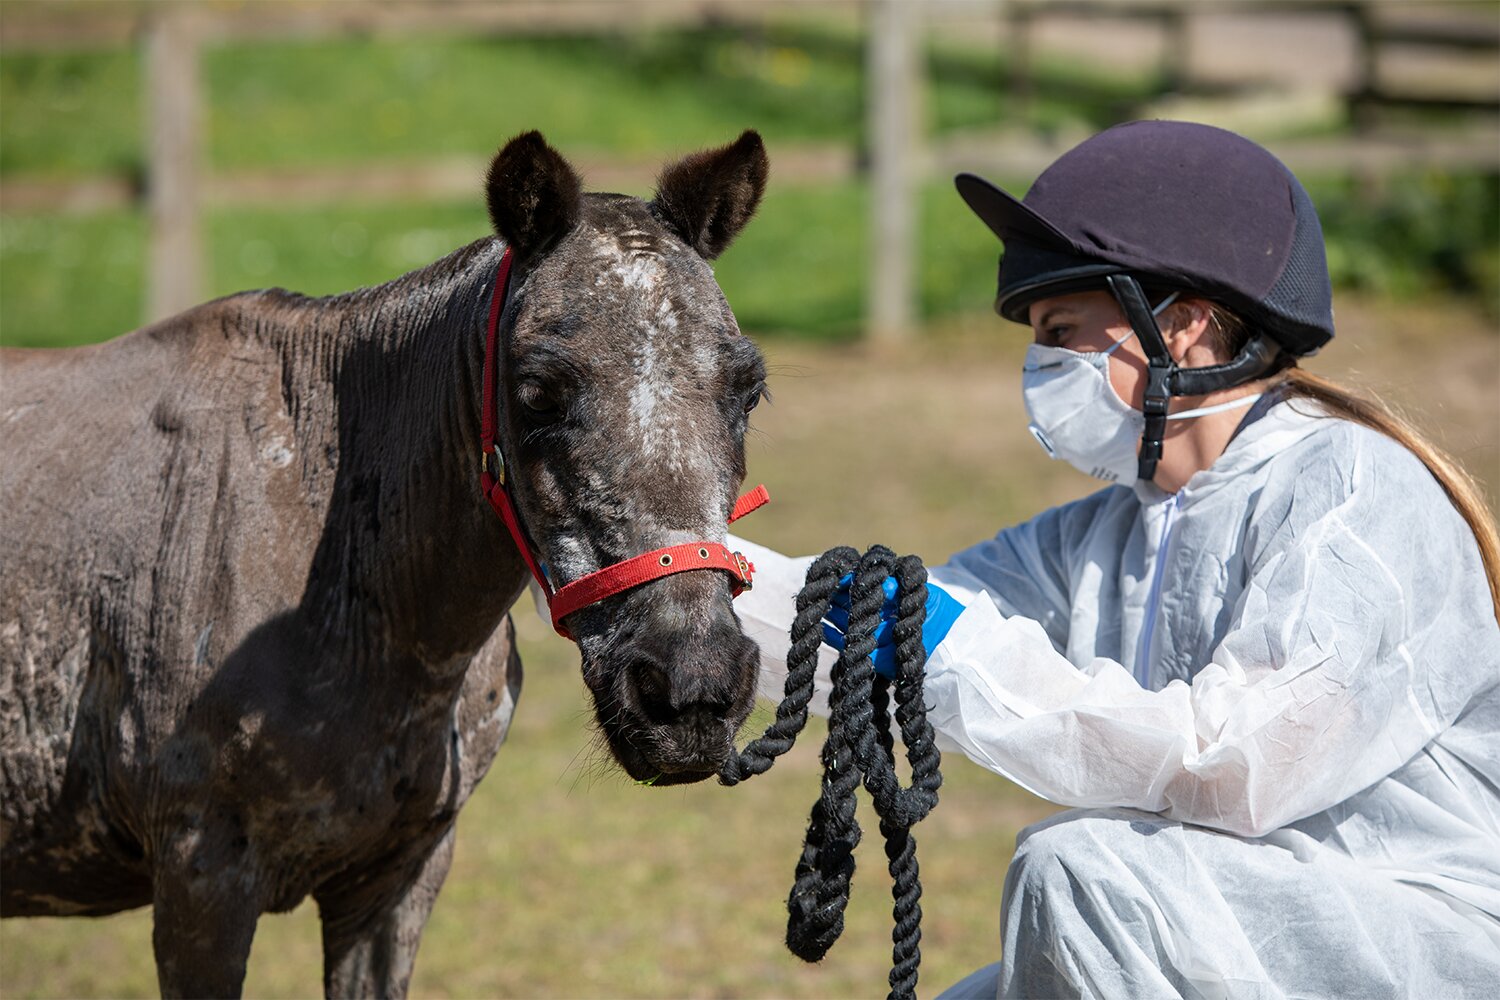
(1177, 205)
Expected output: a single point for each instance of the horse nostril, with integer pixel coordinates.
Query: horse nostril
(653, 689)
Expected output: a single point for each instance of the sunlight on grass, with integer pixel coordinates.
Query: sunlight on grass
(308, 102)
(797, 269)
(68, 280)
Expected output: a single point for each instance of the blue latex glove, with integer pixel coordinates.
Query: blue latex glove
(942, 611)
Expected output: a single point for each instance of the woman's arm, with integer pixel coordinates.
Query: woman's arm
(1365, 630)
(1022, 569)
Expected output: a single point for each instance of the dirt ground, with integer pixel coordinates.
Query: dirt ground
(569, 881)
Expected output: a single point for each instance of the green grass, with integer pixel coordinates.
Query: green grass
(303, 103)
(68, 280)
(334, 249)
(1424, 233)
(70, 113)
(798, 268)
(416, 98)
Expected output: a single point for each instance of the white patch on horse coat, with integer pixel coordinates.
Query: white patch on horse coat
(569, 560)
(200, 648)
(648, 396)
(277, 453)
(659, 365)
(636, 268)
(641, 273)
(16, 412)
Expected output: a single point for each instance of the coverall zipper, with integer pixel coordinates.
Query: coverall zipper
(1148, 624)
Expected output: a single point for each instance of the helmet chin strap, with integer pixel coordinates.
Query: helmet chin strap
(1165, 380)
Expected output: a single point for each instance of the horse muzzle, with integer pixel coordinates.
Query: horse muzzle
(675, 691)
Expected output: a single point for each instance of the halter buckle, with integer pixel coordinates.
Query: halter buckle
(747, 570)
(495, 468)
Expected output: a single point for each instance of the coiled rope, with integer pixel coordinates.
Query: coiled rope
(860, 747)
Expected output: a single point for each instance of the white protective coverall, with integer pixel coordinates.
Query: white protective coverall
(1276, 696)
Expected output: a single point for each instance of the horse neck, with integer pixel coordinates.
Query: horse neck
(412, 564)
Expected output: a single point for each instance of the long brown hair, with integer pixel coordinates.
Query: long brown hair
(1229, 335)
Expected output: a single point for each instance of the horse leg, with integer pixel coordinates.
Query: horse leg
(371, 932)
(204, 911)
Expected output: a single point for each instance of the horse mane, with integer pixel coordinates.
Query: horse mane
(453, 288)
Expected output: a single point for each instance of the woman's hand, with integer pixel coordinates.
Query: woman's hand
(942, 611)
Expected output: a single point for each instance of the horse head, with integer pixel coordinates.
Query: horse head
(625, 393)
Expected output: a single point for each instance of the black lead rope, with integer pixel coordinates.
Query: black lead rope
(860, 747)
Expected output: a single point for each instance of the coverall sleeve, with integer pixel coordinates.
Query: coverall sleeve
(1023, 569)
(1364, 631)
(766, 612)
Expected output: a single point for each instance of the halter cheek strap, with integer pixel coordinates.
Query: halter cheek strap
(610, 580)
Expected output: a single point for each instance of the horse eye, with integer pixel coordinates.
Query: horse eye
(753, 400)
(537, 401)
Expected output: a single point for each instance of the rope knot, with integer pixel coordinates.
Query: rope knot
(860, 749)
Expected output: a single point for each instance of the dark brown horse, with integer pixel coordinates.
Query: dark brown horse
(254, 640)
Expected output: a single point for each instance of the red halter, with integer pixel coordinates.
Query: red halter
(610, 580)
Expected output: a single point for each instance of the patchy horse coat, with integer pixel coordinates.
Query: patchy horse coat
(253, 610)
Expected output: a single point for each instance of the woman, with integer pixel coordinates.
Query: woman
(1265, 664)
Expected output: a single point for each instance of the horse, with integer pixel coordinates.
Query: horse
(254, 608)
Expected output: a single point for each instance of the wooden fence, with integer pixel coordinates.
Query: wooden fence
(898, 158)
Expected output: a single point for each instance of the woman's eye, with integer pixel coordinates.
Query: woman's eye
(1056, 334)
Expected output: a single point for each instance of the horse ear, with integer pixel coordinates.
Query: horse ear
(707, 198)
(533, 194)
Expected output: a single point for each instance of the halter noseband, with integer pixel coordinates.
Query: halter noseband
(622, 575)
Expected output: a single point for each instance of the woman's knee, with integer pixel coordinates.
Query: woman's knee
(1079, 904)
(1085, 845)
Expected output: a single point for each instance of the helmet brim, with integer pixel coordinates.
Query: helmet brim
(1007, 217)
(1014, 300)
(1039, 260)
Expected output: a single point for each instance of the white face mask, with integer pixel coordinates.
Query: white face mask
(1076, 414)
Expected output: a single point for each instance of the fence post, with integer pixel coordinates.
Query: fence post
(173, 151)
(893, 89)
(1018, 15)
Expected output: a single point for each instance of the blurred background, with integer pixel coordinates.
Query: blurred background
(153, 155)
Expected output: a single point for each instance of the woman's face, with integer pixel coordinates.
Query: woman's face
(1092, 321)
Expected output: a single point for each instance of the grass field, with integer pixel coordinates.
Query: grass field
(569, 880)
(287, 104)
(800, 269)
(67, 280)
